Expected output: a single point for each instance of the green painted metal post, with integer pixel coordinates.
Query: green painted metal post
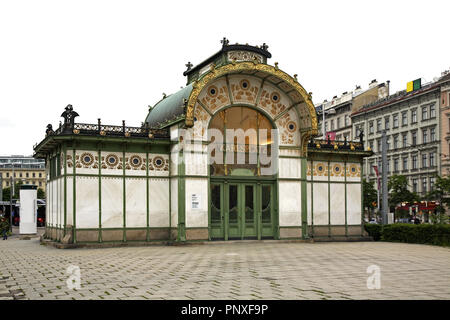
(304, 204)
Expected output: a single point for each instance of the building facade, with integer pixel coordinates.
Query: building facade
(232, 155)
(22, 168)
(338, 123)
(412, 124)
(445, 123)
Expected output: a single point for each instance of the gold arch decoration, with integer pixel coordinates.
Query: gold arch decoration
(234, 67)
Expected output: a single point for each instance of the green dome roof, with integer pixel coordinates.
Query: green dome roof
(169, 109)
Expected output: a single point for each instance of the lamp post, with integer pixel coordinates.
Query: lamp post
(331, 111)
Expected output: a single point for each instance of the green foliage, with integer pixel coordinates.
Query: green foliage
(370, 195)
(440, 192)
(374, 230)
(40, 194)
(398, 191)
(437, 234)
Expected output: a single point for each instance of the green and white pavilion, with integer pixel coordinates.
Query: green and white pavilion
(230, 156)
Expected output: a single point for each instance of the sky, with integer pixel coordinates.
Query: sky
(112, 59)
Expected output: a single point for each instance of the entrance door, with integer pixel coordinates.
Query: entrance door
(243, 210)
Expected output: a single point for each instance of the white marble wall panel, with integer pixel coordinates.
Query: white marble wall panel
(69, 200)
(320, 209)
(61, 200)
(196, 164)
(174, 202)
(174, 132)
(309, 202)
(136, 204)
(112, 202)
(197, 217)
(158, 194)
(289, 152)
(49, 211)
(290, 203)
(87, 212)
(174, 158)
(353, 204)
(55, 203)
(337, 203)
(289, 168)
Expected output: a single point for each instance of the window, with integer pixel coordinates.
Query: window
(432, 111)
(388, 139)
(404, 118)
(357, 132)
(413, 116)
(432, 181)
(414, 183)
(20, 175)
(347, 120)
(386, 123)
(338, 123)
(370, 127)
(405, 164)
(40, 184)
(378, 125)
(326, 126)
(27, 175)
(414, 162)
(40, 175)
(332, 125)
(34, 175)
(424, 184)
(432, 159)
(395, 121)
(379, 145)
(395, 141)
(424, 113)
(414, 137)
(433, 134)
(371, 144)
(7, 174)
(395, 165)
(424, 161)
(425, 136)
(7, 183)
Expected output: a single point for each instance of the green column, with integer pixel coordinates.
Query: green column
(304, 204)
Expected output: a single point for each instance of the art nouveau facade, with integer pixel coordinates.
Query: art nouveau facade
(229, 156)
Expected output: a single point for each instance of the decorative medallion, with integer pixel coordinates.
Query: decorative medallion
(212, 91)
(244, 84)
(320, 169)
(135, 161)
(291, 126)
(112, 160)
(337, 171)
(275, 97)
(158, 162)
(87, 159)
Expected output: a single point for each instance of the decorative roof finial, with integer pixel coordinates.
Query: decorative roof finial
(189, 66)
(264, 46)
(224, 42)
(164, 95)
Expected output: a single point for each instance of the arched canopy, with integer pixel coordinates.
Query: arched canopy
(181, 105)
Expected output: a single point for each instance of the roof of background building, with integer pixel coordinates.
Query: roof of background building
(396, 97)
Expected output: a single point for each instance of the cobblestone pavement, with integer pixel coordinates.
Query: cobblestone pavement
(243, 270)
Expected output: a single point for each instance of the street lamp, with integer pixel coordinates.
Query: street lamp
(330, 111)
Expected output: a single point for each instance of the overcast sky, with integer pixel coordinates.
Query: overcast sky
(111, 59)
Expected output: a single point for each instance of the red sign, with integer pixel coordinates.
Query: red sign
(331, 135)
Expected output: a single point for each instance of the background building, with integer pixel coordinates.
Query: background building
(445, 123)
(22, 168)
(411, 120)
(338, 124)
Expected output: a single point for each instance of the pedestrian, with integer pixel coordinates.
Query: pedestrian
(4, 226)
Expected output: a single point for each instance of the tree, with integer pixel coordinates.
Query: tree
(370, 196)
(398, 191)
(440, 192)
(40, 194)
